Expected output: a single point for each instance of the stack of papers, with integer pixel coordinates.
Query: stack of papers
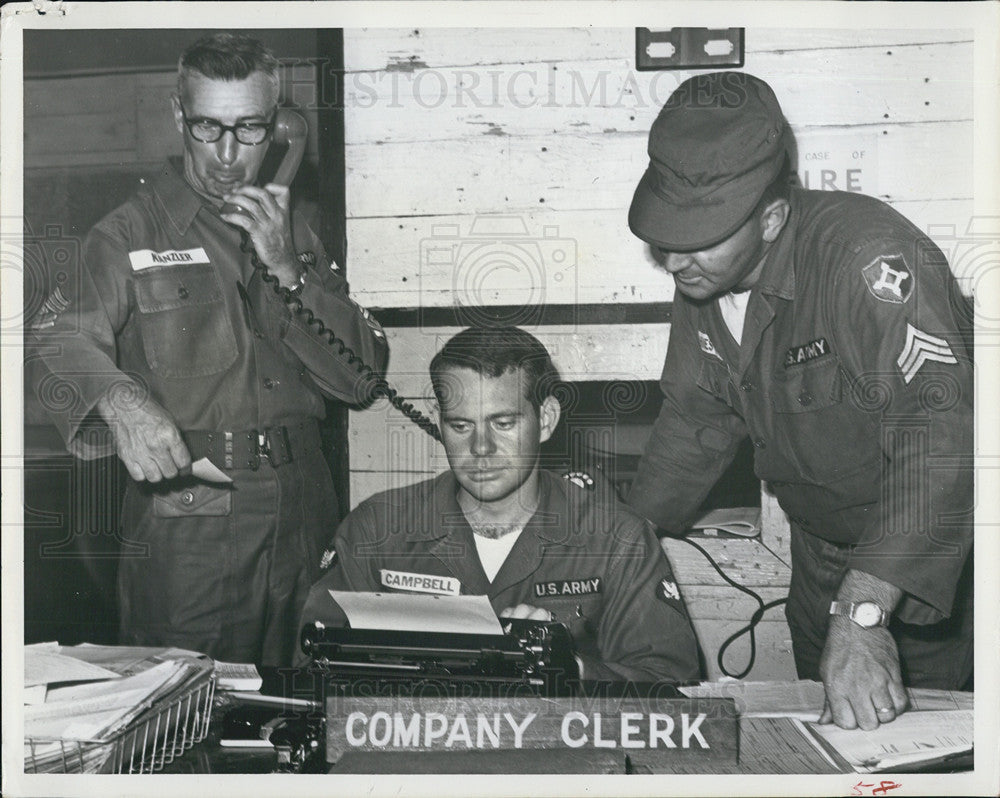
(93, 693)
(44, 664)
(911, 740)
(937, 726)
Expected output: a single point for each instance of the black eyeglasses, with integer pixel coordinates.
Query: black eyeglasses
(209, 130)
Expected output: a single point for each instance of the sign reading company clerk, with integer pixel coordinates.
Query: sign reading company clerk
(438, 730)
(649, 728)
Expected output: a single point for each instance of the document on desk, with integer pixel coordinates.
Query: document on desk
(95, 710)
(45, 664)
(411, 612)
(132, 660)
(911, 739)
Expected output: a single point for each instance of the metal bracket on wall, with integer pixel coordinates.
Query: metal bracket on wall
(688, 48)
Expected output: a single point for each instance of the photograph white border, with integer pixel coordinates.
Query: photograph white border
(982, 17)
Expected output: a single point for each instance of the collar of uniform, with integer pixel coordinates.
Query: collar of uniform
(444, 503)
(778, 278)
(179, 200)
(553, 519)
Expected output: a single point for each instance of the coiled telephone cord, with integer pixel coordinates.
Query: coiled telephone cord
(379, 385)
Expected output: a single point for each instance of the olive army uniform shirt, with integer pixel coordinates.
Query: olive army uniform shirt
(164, 304)
(591, 563)
(853, 380)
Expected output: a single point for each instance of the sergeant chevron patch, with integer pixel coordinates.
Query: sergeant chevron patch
(54, 304)
(919, 348)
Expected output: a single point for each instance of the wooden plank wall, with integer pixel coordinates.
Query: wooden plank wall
(118, 119)
(453, 134)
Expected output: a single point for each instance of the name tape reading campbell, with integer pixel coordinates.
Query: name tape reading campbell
(421, 583)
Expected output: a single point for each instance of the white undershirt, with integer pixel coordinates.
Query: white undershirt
(734, 312)
(493, 551)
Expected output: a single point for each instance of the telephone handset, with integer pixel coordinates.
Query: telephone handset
(291, 129)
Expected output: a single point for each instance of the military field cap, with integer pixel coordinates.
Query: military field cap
(716, 145)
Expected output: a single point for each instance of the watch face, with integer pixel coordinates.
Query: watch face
(867, 614)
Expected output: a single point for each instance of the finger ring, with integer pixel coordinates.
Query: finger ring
(884, 709)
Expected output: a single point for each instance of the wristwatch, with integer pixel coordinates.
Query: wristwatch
(863, 613)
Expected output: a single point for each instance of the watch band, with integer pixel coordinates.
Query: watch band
(300, 283)
(307, 259)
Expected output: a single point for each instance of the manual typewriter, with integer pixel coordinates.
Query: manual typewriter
(532, 658)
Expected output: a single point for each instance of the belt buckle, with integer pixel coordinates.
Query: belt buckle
(227, 450)
(276, 446)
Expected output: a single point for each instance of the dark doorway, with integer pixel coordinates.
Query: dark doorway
(605, 428)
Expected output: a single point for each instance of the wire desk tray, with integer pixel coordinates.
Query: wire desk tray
(151, 741)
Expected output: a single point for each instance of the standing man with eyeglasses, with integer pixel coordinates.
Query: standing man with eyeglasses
(175, 342)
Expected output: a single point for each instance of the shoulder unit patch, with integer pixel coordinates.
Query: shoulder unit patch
(889, 279)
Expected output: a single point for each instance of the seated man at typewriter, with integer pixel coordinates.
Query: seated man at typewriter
(539, 546)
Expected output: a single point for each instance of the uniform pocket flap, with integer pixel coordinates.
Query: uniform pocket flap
(169, 287)
(185, 328)
(194, 500)
(810, 387)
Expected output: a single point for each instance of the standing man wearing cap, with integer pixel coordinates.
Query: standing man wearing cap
(830, 330)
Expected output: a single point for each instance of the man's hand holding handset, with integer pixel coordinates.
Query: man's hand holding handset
(267, 221)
